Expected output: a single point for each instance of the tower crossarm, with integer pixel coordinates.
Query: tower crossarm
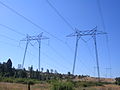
(94, 31)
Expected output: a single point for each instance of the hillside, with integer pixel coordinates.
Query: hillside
(94, 79)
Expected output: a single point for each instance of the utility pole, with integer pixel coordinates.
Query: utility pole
(31, 38)
(92, 33)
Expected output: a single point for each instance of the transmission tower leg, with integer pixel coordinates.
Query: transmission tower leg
(25, 54)
(76, 47)
(96, 53)
(39, 54)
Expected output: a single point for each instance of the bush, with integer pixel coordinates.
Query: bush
(117, 80)
(10, 80)
(20, 80)
(25, 81)
(62, 86)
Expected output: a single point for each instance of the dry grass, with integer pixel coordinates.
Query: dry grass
(40, 87)
(14, 86)
(45, 86)
(105, 87)
(93, 79)
(108, 87)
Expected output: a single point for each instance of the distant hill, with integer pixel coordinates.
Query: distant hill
(94, 79)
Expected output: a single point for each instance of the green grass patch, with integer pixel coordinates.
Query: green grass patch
(62, 86)
(19, 80)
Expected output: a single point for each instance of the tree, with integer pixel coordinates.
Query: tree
(37, 74)
(47, 70)
(117, 80)
(22, 73)
(31, 71)
(56, 72)
(69, 74)
(9, 68)
(3, 68)
(6, 69)
(51, 70)
(9, 64)
(42, 69)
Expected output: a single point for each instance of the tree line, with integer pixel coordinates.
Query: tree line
(6, 70)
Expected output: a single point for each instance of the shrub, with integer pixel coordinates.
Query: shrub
(117, 80)
(10, 80)
(25, 81)
(62, 86)
(19, 80)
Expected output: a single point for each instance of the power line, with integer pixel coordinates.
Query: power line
(56, 52)
(85, 66)
(108, 69)
(30, 21)
(52, 57)
(101, 15)
(89, 50)
(61, 16)
(5, 26)
(68, 45)
(9, 38)
(104, 28)
(6, 43)
(86, 44)
(55, 61)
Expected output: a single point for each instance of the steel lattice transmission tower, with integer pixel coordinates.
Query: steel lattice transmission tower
(78, 34)
(37, 38)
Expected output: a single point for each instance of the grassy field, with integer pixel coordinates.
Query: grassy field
(15, 86)
(45, 86)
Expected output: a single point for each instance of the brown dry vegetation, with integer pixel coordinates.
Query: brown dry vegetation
(108, 87)
(93, 79)
(45, 86)
(105, 87)
(15, 86)
(12, 86)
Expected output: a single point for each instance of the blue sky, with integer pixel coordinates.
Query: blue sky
(81, 14)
